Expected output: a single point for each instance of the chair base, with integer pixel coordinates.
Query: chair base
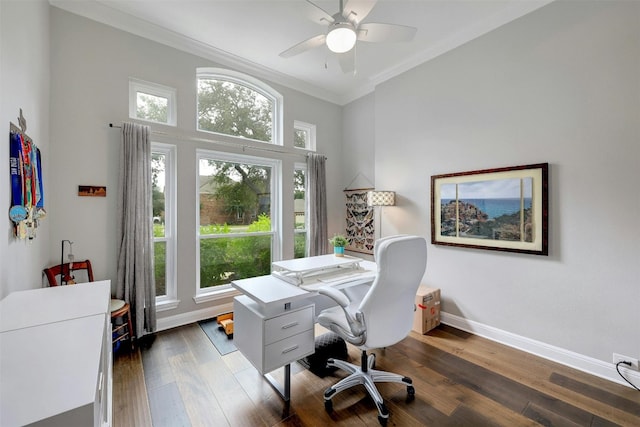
(366, 375)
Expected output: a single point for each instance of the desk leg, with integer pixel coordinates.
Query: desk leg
(285, 392)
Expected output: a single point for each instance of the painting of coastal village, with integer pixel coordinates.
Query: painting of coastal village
(499, 209)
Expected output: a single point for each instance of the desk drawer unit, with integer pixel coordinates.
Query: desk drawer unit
(288, 350)
(287, 325)
(274, 340)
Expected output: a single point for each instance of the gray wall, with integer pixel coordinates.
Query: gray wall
(561, 85)
(90, 72)
(24, 68)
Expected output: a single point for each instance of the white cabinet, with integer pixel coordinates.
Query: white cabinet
(270, 340)
(55, 356)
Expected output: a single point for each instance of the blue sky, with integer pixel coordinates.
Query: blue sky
(492, 189)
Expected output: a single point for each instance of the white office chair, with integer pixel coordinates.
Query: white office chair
(382, 318)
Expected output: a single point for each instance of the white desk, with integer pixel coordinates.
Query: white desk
(55, 356)
(274, 319)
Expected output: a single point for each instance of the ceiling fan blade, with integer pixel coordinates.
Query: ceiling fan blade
(377, 32)
(357, 10)
(348, 61)
(304, 46)
(318, 14)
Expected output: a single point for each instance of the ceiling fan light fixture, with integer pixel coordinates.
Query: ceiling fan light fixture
(341, 37)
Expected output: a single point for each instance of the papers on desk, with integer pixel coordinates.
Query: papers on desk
(325, 270)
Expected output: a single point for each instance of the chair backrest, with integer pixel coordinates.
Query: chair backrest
(62, 270)
(388, 307)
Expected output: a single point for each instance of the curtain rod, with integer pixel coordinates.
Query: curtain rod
(211, 141)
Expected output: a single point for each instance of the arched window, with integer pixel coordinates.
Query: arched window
(238, 105)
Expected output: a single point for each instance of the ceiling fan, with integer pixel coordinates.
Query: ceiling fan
(345, 28)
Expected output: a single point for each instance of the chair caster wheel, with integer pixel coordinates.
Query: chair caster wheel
(411, 393)
(383, 414)
(328, 406)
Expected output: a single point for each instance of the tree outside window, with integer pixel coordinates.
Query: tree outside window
(300, 208)
(235, 214)
(233, 109)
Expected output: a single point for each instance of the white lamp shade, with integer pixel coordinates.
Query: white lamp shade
(381, 198)
(341, 38)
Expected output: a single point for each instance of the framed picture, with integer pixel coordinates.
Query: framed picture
(360, 225)
(503, 209)
(92, 191)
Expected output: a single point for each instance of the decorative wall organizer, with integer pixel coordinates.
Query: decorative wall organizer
(27, 187)
(360, 222)
(503, 209)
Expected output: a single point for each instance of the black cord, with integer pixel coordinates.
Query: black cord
(622, 362)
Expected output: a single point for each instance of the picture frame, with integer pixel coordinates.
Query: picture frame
(360, 229)
(92, 191)
(502, 209)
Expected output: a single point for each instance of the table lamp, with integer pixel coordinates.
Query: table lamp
(379, 199)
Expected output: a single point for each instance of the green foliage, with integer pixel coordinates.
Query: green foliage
(338, 240)
(241, 188)
(232, 109)
(299, 185)
(158, 230)
(300, 247)
(263, 223)
(299, 138)
(151, 107)
(215, 229)
(157, 196)
(159, 265)
(223, 259)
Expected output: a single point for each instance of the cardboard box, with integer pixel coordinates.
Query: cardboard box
(427, 314)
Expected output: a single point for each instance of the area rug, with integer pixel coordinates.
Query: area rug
(217, 336)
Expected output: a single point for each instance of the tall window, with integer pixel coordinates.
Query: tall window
(152, 102)
(300, 211)
(237, 217)
(163, 168)
(235, 104)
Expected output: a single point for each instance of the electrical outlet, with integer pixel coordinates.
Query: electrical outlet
(619, 358)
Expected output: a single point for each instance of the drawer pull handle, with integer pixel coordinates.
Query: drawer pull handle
(290, 349)
(289, 325)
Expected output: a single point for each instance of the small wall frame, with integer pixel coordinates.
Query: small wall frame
(92, 191)
(503, 209)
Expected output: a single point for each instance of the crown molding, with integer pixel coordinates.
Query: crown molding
(101, 12)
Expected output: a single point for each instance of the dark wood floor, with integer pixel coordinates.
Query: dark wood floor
(460, 380)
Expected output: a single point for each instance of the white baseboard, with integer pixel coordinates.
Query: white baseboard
(556, 354)
(192, 316)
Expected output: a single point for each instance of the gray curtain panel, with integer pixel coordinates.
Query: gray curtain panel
(136, 280)
(318, 234)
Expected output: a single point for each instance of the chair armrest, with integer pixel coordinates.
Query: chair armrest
(335, 295)
(357, 332)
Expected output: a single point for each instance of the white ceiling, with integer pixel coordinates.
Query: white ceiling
(250, 34)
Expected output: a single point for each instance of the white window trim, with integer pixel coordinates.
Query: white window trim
(170, 300)
(225, 291)
(310, 130)
(254, 84)
(137, 85)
